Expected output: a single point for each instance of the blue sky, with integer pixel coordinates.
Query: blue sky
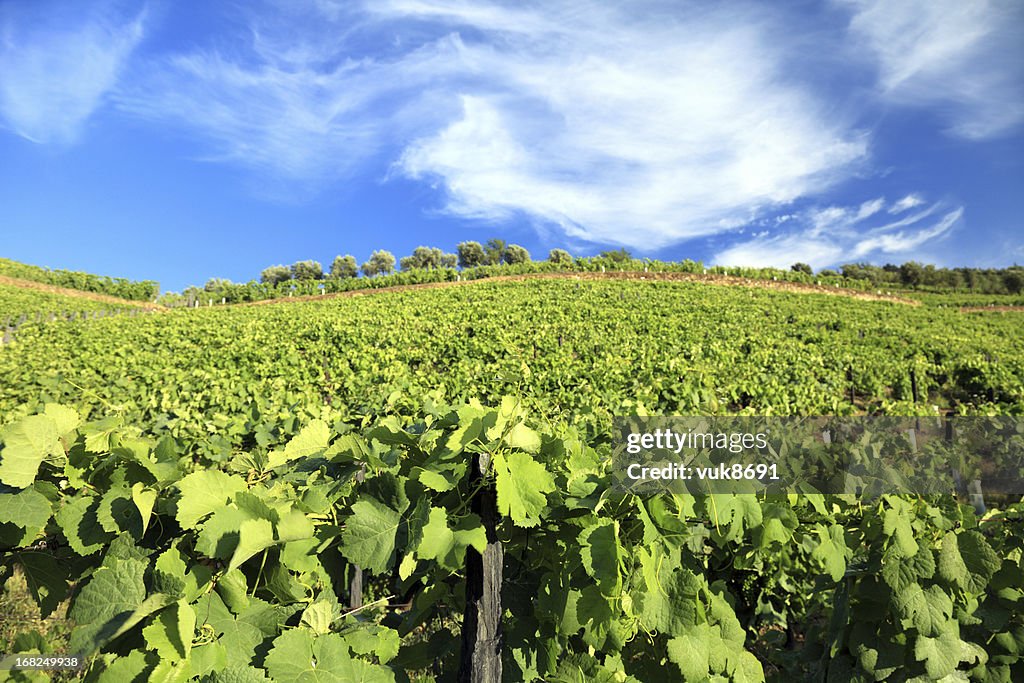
(182, 141)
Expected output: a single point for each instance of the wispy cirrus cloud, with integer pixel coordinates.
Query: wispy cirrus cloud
(965, 56)
(643, 124)
(629, 129)
(58, 67)
(829, 236)
(906, 203)
(617, 127)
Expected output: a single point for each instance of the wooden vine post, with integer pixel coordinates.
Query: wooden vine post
(481, 624)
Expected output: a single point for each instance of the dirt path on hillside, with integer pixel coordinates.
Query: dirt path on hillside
(77, 293)
(710, 279)
(991, 309)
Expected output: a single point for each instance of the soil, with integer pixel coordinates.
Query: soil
(77, 293)
(630, 275)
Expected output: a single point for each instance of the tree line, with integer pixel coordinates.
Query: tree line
(914, 275)
(473, 260)
(382, 262)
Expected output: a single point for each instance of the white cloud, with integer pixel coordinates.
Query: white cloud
(625, 131)
(780, 252)
(966, 56)
(615, 127)
(298, 112)
(58, 67)
(837, 235)
(907, 203)
(870, 208)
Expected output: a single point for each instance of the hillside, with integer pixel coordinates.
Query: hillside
(24, 301)
(239, 488)
(120, 288)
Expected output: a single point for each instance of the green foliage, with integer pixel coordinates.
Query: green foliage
(515, 254)
(33, 306)
(616, 255)
(428, 258)
(471, 255)
(381, 262)
(307, 270)
(560, 257)
(495, 250)
(204, 495)
(344, 267)
(145, 290)
(274, 275)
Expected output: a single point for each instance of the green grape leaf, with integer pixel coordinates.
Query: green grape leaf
(312, 439)
(896, 523)
(219, 534)
(899, 572)
(171, 632)
(127, 669)
(237, 674)
(435, 481)
(523, 438)
(368, 539)
(594, 612)
(109, 600)
(669, 602)
(374, 640)
(117, 512)
(940, 655)
(205, 659)
(144, 499)
(254, 536)
(27, 509)
(294, 526)
(927, 610)
(748, 668)
(966, 560)
(600, 551)
(27, 443)
(831, 551)
(318, 617)
(233, 588)
(522, 483)
(66, 419)
(438, 540)
(205, 492)
(78, 520)
(46, 578)
(170, 672)
(299, 656)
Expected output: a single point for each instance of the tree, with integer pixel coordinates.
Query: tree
(421, 257)
(911, 273)
(344, 267)
(275, 275)
(471, 255)
(516, 254)
(1013, 280)
(307, 270)
(380, 263)
(216, 284)
(495, 250)
(802, 268)
(560, 257)
(449, 260)
(617, 255)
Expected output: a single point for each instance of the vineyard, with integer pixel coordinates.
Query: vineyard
(418, 485)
